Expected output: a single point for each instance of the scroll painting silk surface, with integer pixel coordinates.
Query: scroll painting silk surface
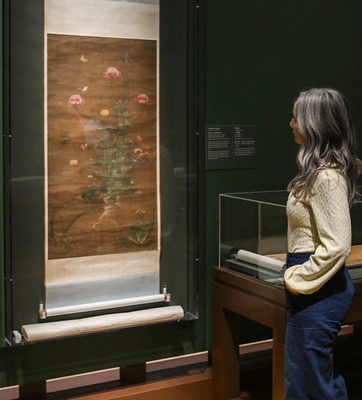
(101, 152)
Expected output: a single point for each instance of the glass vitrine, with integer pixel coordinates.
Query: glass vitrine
(253, 235)
(99, 172)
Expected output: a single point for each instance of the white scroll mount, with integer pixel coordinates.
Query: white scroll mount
(260, 260)
(103, 305)
(49, 330)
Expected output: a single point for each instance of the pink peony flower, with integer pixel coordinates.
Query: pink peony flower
(112, 72)
(141, 98)
(75, 99)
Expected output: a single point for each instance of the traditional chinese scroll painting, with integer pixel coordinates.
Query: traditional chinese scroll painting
(101, 152)
(102, 147)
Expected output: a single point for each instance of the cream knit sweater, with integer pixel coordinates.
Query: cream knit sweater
(319, 223)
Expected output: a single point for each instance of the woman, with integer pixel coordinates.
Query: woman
(319, 289)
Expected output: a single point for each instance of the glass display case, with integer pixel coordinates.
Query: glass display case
(253, 235)
(100, 186)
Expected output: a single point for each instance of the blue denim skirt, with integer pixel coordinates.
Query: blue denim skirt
(313, 324)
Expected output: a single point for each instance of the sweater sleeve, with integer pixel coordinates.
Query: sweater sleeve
(330, 211)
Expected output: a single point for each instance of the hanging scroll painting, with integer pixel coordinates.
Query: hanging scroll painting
(101, 144)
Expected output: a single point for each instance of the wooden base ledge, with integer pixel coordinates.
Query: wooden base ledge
(192, 387)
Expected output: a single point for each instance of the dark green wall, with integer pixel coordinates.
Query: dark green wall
(259, 55)
(256, 57)
(2, 308)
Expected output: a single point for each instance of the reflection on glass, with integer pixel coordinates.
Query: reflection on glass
(253, 235)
